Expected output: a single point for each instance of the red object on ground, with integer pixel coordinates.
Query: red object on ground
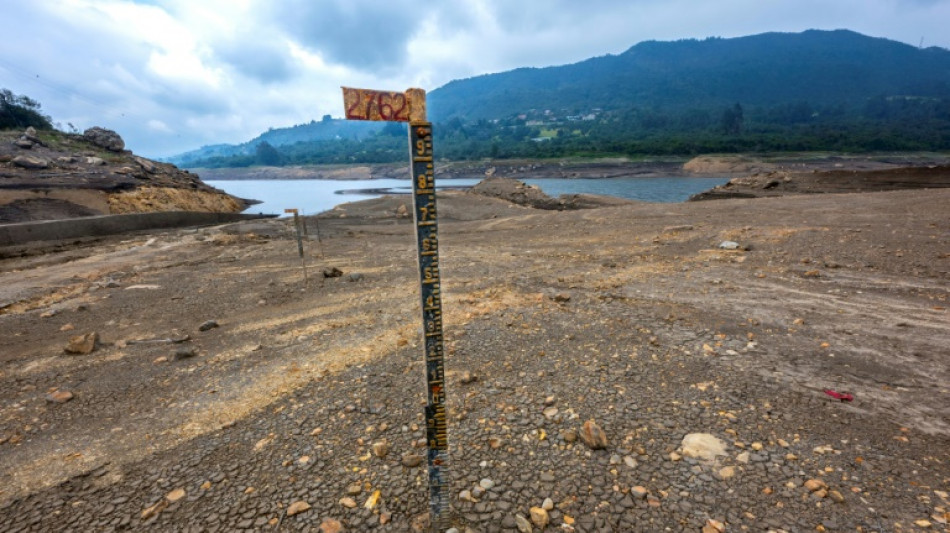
(843, 396)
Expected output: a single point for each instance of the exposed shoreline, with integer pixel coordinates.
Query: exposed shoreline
(630, 315)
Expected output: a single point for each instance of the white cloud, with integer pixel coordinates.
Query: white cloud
(171, 75)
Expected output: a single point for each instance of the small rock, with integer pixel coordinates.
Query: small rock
(593, 436)
(59, 396)
(703, 446)
(486, 484)
(467, 377)
(175, 495)
(729, 245)
(354, 489)
(675, 456)
(332, 272)
(298, 507)
(539, 517)
(714, 526)
(83, 344)
(836, 496)
(639, 492)
(155, 509)
(381, 449)
(569, 435)
(466, 496)
(411, 460)
(562, 297)
(523, 525)
(727, 472)
(550, 412)
(354, 277)
(630, 461)
(547, 504)
(185, 352)
(373, 500)
(348, 502)
(814, 485)
(330, 525)
(210, 324)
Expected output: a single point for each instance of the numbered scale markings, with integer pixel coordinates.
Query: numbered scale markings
(427, 234)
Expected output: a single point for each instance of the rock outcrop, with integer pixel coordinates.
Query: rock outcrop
(104, 138)
(53, 175)
(520, 193)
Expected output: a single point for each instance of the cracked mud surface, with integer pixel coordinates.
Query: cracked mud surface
(630, 315)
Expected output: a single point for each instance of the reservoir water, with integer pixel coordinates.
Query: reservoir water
(315, 196)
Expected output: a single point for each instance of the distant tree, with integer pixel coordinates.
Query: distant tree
(326, 119)
(732, 120)
(267, 154)
(394, 129)
(20, 111)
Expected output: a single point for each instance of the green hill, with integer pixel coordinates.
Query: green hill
(815, 90)
(826, 67)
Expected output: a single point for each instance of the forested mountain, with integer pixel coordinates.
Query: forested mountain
(819, 67)
(815, 90)
(327, 129)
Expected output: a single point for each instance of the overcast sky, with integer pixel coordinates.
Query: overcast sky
(172, 75)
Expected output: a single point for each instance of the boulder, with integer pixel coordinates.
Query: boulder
(30, 162)
(107, 139)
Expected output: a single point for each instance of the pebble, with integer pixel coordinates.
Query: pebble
(175, 495)
(593, 436)
(539, 517)
(185, 352)
(523, 525)
(411, 460)
(208, 324)
(348, 502)
(639, 492)
(486, 484)
(703, 446)
(381, 449)
(297, 507)
(331, 525)
(59, 396)
(83, 344)
(569, 435)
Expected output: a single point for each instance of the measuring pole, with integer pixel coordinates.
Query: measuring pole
(410, 107)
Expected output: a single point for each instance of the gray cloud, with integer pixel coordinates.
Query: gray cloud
(362, 34)
(264, 60)
(175, 74)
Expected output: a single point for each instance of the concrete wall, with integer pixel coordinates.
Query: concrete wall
(13, 234)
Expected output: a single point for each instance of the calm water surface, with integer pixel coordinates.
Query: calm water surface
(314, 196)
